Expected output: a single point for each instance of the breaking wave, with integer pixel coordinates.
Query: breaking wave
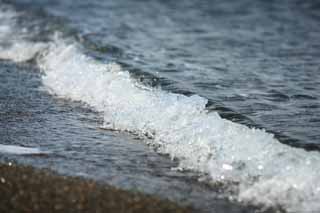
(262, 170)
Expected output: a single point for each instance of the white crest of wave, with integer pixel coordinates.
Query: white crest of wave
(21, 51)
(13, 43)
(266, 171)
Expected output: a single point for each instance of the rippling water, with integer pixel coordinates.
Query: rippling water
(258, 59)
(253, 62)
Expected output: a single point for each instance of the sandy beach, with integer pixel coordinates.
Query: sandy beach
(25, 189)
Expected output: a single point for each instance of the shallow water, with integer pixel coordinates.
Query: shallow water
(65, 137)
(254, 63)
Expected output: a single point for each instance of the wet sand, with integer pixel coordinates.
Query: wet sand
(25, 189)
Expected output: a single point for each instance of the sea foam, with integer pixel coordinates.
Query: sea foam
(13, 39)
(19, 150)
(260, 168)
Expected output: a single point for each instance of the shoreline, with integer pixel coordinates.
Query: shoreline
(27, 189)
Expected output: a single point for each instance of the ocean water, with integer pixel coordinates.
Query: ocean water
(209, 103)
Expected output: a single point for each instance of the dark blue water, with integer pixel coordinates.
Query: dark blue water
(257, 62)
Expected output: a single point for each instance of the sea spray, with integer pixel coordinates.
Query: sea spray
(14, 44)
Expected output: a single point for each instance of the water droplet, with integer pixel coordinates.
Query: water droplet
(260, 167)
(227, 167)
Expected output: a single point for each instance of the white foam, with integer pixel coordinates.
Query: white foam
(13, 43)
(21, 51)
(19, 150)
(266, 171)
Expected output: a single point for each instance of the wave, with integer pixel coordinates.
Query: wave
(259, 168)
(263, 170)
